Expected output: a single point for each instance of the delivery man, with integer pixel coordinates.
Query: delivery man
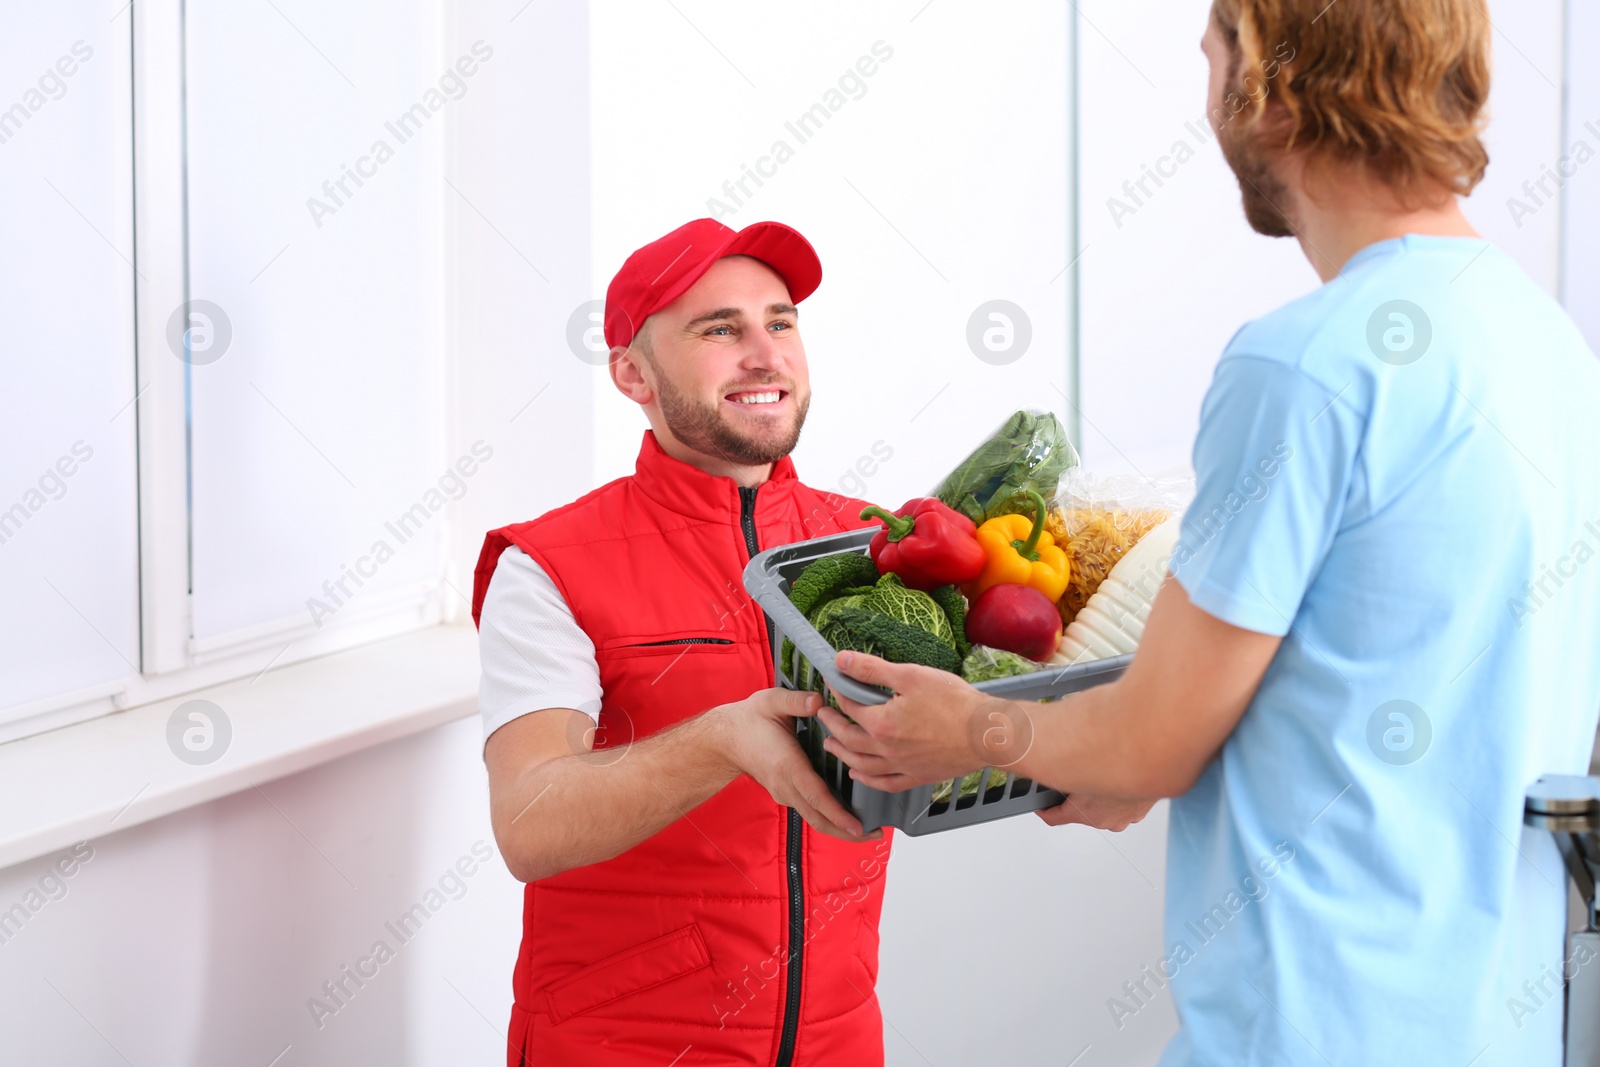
(695, 894)
(1384, 612)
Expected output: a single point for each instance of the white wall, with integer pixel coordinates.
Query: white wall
(199, 938)
(1581, 267)
(518, 207)
(1524, 135)
(938, 189)
(1165, 287)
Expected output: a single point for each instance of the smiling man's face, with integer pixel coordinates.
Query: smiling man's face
(724, 367)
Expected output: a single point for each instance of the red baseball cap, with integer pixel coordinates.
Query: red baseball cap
(663, 270)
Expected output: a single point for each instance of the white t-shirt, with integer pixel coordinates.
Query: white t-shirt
(533, 652)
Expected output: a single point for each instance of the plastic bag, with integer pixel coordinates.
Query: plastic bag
(1029, 450)
(1096, 520)
(969, 785)
(985, 664)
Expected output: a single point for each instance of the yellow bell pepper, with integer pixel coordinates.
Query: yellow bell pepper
(1020, 552)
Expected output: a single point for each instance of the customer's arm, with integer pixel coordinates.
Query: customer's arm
(1149, 734)
(1153, 732)
(556, 803)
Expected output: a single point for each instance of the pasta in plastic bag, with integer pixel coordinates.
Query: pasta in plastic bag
(1096, 521)
(1112, 622)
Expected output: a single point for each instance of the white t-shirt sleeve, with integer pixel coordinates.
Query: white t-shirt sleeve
(534, 654)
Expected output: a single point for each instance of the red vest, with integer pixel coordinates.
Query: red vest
(683, 949)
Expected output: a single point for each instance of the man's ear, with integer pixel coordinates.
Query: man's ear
(627, 373)
(1275, 123)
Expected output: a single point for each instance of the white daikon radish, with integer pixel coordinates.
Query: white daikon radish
(1112, 622)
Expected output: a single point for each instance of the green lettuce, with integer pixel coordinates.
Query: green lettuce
(1030, 451)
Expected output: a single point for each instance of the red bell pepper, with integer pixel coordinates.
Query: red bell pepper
(927, 544)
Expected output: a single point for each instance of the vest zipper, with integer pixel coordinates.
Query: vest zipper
(684, 641)
(797, 904)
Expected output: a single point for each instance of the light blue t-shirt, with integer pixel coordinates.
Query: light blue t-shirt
(1400, 473)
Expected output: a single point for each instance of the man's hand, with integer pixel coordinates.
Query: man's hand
(935, 727)
(760, 741)
(1103, 813)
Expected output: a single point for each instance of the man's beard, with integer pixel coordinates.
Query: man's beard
(703, 427)
(1263, 192)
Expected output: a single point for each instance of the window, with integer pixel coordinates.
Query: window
(314, 199)
(68, 507)
(199, 215)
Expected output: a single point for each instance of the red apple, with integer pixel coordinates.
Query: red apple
(1017, 618)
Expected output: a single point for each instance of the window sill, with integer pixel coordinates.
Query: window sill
(93, 778)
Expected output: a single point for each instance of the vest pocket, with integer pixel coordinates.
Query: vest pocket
(625, 973)
(691, 643)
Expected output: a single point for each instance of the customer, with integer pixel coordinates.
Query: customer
(1385, 613)
(644, 775)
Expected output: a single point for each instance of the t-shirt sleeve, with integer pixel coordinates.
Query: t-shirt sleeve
(534, 654)
(1273, 463)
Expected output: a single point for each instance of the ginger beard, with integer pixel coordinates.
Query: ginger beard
(709, 429)
(1264, 194)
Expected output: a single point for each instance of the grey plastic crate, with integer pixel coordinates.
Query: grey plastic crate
(913, 811)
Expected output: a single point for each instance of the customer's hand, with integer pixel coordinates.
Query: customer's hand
(934, 727)
(1103, 813)
(760, 741)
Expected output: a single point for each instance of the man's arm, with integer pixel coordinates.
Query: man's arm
(556, 804)
(1150, 734)
(1155, 730)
